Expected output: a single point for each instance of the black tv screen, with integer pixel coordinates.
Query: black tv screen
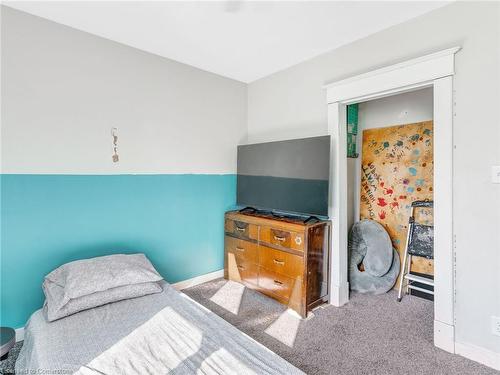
(286, 176)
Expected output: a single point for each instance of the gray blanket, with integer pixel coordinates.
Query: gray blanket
(156, 334)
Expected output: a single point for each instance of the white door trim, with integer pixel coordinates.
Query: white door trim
(435, 70)
(393, 79)
(337, 205)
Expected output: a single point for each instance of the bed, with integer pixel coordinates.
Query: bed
(159, 333)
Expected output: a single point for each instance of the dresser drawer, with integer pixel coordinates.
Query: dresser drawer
(287, 239)
(242, 249)
(275, 283)
(241, 229)
(281, 262)
(240, 269)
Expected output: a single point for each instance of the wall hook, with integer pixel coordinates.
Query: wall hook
(114, 135)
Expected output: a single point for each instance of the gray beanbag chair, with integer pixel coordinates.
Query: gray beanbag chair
(370, 244)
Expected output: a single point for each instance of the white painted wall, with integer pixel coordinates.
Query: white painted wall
(407, 108)
(63, 90)
(399, 109)
(291, 103)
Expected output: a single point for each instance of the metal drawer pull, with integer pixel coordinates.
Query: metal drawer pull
(240, 249)
(279, 238)
(277, 282)
(240, 229)
(241, 267)
(279, 262)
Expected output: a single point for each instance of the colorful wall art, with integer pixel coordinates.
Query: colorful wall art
(396, 169)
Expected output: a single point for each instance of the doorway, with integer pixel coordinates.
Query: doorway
(433, 71)
(390, 165)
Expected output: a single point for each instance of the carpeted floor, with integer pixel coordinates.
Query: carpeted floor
(7, 366)
(370, 335)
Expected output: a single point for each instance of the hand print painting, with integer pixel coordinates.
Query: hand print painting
(396, 169)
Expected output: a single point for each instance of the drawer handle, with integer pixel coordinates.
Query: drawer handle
(240, 229)
(279, 262)
(240, 267)
(281, 239)
(240, 249)
(277, 282)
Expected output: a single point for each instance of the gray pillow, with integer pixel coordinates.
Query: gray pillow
(88, 283)
(372, 242)
(84, 277)
(56, 307)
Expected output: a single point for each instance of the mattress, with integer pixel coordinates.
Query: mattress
(155, 334)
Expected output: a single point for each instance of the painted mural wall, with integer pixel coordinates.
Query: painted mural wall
(406, 108)
(397, 169)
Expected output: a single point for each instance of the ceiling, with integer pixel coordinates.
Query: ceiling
(237, 39)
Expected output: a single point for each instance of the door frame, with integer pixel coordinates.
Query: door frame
(435, 70)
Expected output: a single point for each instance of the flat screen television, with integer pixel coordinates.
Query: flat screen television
(286, 176)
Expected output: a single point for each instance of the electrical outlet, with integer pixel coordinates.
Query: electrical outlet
(495, 325)
(495, 174)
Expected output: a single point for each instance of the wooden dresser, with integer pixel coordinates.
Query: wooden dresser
(282, 258)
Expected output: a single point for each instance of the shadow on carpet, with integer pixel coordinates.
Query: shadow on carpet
(370, 335)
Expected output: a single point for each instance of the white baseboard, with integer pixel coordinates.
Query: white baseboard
(444, 336)
(198, 280)
(339, 295)
(19, 334)
(486, 357)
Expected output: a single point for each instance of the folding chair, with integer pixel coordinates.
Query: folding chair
(420, 243)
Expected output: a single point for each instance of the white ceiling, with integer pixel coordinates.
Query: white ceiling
(241, 40)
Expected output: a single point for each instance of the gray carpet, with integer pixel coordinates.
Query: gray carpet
(7, 366)
(370, 335)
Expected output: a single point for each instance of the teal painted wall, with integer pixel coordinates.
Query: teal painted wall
(48, 220)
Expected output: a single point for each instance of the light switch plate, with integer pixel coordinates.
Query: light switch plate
(495, 325)
(495, 174)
